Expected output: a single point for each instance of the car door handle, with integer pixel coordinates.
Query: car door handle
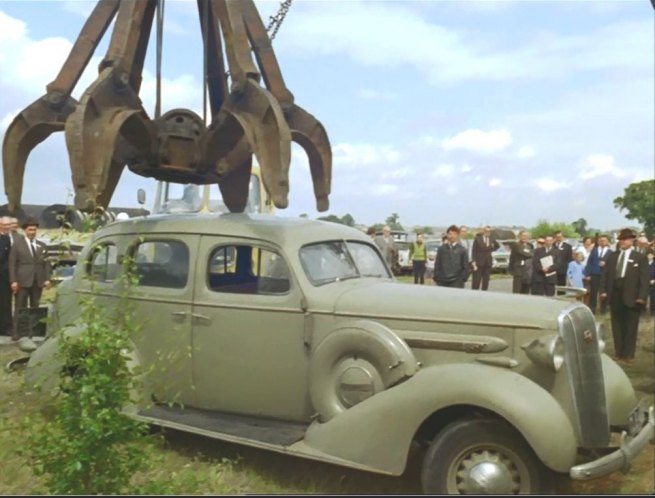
(198, 316)
(180, 314)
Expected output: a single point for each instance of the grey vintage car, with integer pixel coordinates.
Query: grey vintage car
(292, 335)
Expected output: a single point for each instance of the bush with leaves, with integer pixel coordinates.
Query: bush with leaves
(90, 446)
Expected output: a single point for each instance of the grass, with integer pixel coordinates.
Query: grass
(194, 464)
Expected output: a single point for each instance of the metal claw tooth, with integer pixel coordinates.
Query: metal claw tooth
(95, 142)
(310, 134)
(28, 129)
(256, 115)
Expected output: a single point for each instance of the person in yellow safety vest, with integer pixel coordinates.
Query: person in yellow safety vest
(418, 255)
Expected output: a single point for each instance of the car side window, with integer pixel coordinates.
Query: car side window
(103, 264)
(161, 263)
(246, 269)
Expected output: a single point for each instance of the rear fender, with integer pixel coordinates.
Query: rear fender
(379, 431)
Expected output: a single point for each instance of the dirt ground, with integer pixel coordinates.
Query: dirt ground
(259, 471)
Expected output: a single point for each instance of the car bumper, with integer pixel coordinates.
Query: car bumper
(621, 458)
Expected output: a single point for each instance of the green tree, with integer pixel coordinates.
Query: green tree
(393, 222)
(544, 227)
(580, 226)
(639, 201)
(346, 219)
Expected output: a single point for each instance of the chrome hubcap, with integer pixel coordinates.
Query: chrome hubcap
(487, 472)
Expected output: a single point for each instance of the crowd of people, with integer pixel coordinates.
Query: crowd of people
(24, 271)
(621, 280)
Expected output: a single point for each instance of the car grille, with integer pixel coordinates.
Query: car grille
(585, 372)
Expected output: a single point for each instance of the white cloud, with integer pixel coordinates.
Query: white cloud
(358, 155)
(451, 55)
(595, 165)
(82, 8)
(525, 152)
(443, 171)
(550, 185)
(495, 182)
(466, 168)
(483, 142)
(6, 121)
(397, 174)
(384, 189)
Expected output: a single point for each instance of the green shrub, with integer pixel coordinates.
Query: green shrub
(89, 446)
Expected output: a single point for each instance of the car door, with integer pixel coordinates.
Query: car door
(248, 331)
(162, 297)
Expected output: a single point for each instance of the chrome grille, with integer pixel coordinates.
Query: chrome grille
(585, 372)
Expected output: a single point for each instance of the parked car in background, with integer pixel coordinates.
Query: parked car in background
(500, 257)
(431, 247)
(292, 335)
(402, 264)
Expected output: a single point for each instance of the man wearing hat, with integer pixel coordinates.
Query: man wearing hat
(29, 271)
(625, 285)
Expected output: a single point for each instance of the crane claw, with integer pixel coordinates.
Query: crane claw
(27, 130)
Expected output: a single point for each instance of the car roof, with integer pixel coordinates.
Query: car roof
(277, 229)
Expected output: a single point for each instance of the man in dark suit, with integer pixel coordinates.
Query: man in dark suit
(625, 286)
(544, 277)
(594, 269)
(566, 256)
(29, 271)
(5, 287)
(451, 267)
(483, 245)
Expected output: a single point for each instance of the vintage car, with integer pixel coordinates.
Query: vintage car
(500, 257)
(292, 335)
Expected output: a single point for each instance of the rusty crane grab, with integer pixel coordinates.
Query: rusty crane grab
(109, 129)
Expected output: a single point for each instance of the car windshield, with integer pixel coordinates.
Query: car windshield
(334, 261)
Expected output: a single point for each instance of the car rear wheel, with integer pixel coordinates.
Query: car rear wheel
(482, 456)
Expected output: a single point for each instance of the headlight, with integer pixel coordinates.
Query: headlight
(547, 351)
(600, 335)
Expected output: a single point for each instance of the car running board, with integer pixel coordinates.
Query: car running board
(275, 435)
(255, 431)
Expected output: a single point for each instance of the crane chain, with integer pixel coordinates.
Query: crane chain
(277, 19)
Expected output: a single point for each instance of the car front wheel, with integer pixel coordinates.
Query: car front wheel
(481, 456)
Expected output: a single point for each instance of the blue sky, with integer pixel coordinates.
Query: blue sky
(441, 111)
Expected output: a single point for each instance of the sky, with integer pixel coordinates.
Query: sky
(466, 112)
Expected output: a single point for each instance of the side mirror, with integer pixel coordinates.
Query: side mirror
(141, 196)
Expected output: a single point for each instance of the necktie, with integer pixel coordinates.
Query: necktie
(33, 248)
(619, 266)
(602, 253)
(486, 241)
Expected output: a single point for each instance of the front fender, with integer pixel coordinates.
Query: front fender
(378, 432)
(44, 365)
(620, 394)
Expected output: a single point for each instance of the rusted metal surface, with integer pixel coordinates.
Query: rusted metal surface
(109, 129)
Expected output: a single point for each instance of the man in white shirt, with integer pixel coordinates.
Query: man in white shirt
(624, 285)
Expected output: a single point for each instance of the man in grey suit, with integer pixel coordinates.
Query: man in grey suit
(29, 271)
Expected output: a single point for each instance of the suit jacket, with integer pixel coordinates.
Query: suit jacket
(26, 269)
(538, 274)
(481, 253)
(520, 258)
(593, 263)
(5, 249)
(566, 256)
(635, 282)
(451, 264)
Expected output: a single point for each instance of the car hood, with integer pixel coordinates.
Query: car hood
(393, 300)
